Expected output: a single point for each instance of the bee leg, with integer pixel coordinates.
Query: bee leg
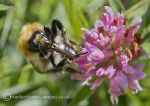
(42, 53)
(60, 64)
(71, 70)
(52, 59)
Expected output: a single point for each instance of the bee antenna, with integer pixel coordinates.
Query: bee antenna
(77, 55)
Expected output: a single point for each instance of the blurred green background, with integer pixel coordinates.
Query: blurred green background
(18, 78)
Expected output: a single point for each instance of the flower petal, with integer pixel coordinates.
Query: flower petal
(121, 79)
(135, 86)
(114, 88)
(110, 71)
(108, 16)
(124, 60)
(98, 24)
(100, 72)
(96, 55)
(119, 34)
(138, 74)
(128, 69)
(132, 28)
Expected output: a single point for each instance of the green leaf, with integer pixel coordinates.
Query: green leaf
(138, 9)
(146, 47)
(4, 7)
(146, 33)
(145, 18)
(25, 74)
(83, 18)
(117, 5)
(134, 99)
(72, 14)
(6, 2)
(94, 5)
(21, 90)
(83, 93)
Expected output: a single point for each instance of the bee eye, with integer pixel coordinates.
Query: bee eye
(48, 43)
(37, 37)
(32, 46)
(34, 41)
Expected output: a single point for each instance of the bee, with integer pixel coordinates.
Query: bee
(48, 50)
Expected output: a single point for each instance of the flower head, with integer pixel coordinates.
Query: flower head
(111, 49)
